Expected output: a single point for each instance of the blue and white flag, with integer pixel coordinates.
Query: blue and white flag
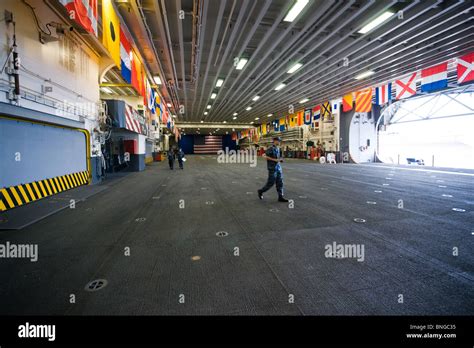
(383, 94)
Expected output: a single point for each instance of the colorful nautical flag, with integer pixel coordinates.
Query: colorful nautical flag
(466, 68)
(307, 116)
(316, 112)
(363, 100)
(347, 102)
(300, 118)
(83, 12)
(111, 31)
(326, 111)
(383, 94)
(137, 75)
(282, 124)
(434, 78)
(405, 87)
(316, 116)
(125, 57)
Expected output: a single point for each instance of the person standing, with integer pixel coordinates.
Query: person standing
(180, 155)
(275, 174)
(171, 158)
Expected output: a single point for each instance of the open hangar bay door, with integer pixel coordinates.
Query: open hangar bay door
(432, 129)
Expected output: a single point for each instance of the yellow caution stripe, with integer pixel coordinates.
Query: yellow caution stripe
(15, 196)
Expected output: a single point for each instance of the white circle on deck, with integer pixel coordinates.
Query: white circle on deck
(378, 191)
(459, 210)
(140, 219)
(274, 210)
(359, 220)
(209, 202)
(303, 197)
(445, 195)
(371, 202)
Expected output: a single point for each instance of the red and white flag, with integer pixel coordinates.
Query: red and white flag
(466, 68)
(405, 87)
(83, 12)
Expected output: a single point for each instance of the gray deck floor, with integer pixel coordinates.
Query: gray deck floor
(408, 251)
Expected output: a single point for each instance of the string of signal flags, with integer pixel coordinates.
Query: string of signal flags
(433, 79)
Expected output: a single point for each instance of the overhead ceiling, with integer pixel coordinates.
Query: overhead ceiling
(193, 51)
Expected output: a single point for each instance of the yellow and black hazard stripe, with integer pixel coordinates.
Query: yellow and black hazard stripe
(15, 196)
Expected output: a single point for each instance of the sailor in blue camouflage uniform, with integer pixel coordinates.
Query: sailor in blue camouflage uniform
(275, 174)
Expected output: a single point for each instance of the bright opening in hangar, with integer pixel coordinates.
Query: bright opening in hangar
(435, 130)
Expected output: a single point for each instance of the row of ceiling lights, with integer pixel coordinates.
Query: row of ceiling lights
(290, 17)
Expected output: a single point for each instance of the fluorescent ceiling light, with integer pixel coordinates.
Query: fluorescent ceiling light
(376, 22)
(248, 108)
(294, 68)
(106, 90)
(208, 106)
(269, 115)
(257, 97)
(205, 112)
(224, 121)
(219, 83)
(213, 96)
(235, 114)
(364, 75)
(280, 86)
(157, 80)
(251, 122)
(304, 100)
(241, 63)
(168, 105)
(174, 116)
(295, 10)
(235, 117)
(257, 118)
(202, 121)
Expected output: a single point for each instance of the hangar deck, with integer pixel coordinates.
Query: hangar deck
(174, 250)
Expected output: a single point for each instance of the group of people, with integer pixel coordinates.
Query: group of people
(174, 153)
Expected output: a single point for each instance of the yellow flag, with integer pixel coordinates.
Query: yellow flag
(111, 31)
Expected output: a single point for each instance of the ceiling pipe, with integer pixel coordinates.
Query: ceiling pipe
(222, 5)
(181, 52)
(202, 35)
(230, 44)
(169, 43)
(225, 31)
(158, 19)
